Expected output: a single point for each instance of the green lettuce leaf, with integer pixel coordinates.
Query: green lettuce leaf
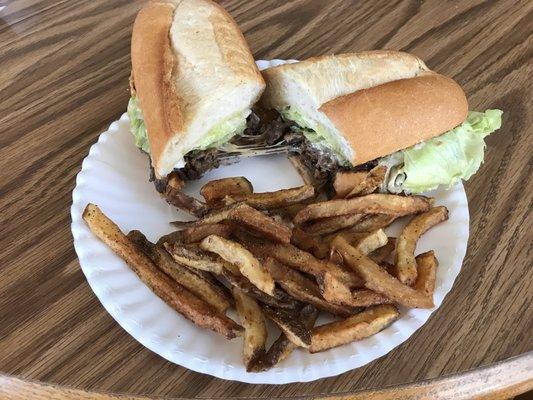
(448, 158)
(137, 127)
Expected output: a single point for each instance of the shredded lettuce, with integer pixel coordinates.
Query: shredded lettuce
(445, 159)
(318, 135)
(216, 137)
(137, 128)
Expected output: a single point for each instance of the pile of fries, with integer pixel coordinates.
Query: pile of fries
(285, 256)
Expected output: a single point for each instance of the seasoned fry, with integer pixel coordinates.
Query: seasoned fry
(255, 331)
(367, 298)
(217, 189)
(356, 327)
(175, 295)
(373, 222)
(381, 254)
(283, 347)
(378, 280)
(302, 288)
(288, 212)
(214, 217)
(260, 223)
(279, 300)
(270, 200)
(192, 257)
(405, 249)
(370, 182)
(427, 270)
(324, 226)
(372, 241)
(236, 254)
(370, 204)
(290, 325)
(206, 290)
(195, 234)
(313, 244)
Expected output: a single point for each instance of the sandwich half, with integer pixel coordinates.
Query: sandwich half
(193, 83)
(355, 111)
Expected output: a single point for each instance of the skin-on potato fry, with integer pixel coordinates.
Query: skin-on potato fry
(405, 248)
(367, 298)
(350, 184)
(279, 300)
(277, 199)
(356, 327)
(215, 190)
(175, 295)
(381, 254)
(255, 331)
(378, 280)
(288, 212)
(195, 234)
(302, 288)
(372, 241)
(313, 244)
(206, 290)
(323, 226)
(282, 347)
(373, 222)
(192, 257)
(236, 254)
(370, 204)
(290, 325)
(214, 217)
(427, 271)
(260, 223)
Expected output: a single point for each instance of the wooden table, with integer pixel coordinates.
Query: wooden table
(64, 68)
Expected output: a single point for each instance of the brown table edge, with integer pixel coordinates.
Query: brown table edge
(501, 380)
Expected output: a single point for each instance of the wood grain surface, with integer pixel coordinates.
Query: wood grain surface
(64, 68)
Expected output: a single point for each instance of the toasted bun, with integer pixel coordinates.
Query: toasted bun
(192, 70)
(373, 103)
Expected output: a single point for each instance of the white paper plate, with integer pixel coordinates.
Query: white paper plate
(115, 176)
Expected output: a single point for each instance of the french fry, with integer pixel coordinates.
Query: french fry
(372, 241)
(255, 331)
(378, 280)
(373, 222)
(356, 327)
(270, 200)
(192, 257)
(195, 234)
(367, 298)
(288, 322)
(370, 182)
(257, 221)
(279, 300)
(427, 269)
(302, 288)
(288, 212)
(283, 347)
(217, 189)
(405, 248)
(370, 204)
(381, 254)
(313, 244)
(324, 226)
(214, 217)
(206, 290)
(175, 295)
(238, 255)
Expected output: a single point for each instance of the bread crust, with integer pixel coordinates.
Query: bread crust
(392, 116)
(152, 62)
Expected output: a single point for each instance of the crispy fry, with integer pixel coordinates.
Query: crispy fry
(214, 217)
(370, 204)
(255, 331)
(356, 327)
(372, 241)
(381, 254)
(373, 222)
(260, 223)
(279, 300)
(370, 182)
(378, 280)
(288, 212)
(277, 199)
(236, 254)
(367, 298)
(192, 257)
(405, 248)
(195, 234)
(217, 189)
(345, 181)
(175, 295)
(283, 347)
(427, 270)
(302, 288)
(183, 201)
(313, 244)
(290, 325)
(205, 289)
(324, 226)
